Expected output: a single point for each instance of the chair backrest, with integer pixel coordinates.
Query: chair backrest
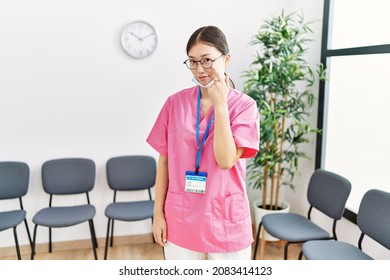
(133, 172)
(328, 192)
(14, 179)
(68, 176)
(373, 216)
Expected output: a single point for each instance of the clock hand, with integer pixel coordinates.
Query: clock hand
(151, 34)
(139, 38)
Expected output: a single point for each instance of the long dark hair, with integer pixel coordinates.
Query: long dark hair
(210, 35)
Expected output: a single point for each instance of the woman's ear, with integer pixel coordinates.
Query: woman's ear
(227, 59)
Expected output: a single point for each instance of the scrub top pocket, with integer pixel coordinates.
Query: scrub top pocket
(173, 210)
(230, 215)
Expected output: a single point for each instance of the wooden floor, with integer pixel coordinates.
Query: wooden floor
(137, 251)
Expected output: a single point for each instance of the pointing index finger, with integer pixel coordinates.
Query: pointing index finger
(218, 75)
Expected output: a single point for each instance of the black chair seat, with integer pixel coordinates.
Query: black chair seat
(64, 216)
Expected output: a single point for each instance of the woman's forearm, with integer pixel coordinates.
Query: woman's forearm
(225, 151)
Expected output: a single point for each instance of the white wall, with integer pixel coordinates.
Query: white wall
(67, 89)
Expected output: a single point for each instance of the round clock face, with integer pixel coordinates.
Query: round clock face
(139, 39)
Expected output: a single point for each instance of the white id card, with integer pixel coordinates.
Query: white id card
(196, 183)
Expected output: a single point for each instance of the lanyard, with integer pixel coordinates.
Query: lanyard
(199, 146)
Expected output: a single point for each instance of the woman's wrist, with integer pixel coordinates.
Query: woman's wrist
(158, 211)
(221, 109)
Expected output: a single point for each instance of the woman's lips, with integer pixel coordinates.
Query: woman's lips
(203, 78)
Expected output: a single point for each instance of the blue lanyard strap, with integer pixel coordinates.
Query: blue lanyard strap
(199, 146)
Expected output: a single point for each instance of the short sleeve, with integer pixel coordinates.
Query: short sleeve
(246, 129)
(158, 136)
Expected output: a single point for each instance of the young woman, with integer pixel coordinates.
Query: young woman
(203, 135)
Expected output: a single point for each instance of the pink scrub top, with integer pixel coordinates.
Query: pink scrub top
(219, 220)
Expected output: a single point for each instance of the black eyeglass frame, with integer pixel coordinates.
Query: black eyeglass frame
(200, 61)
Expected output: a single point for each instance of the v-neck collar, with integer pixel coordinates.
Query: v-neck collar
(204, 118)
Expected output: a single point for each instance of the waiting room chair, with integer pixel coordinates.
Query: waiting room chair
(373, 219)
(327, 192)
(14, 181)
(66, 176)
(127, 174)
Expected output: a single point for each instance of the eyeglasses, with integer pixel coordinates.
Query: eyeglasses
(206, 63)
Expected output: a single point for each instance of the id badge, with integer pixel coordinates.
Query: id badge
(196, 183)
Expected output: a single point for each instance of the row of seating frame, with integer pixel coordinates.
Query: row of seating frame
(328, 193)
(65, 176)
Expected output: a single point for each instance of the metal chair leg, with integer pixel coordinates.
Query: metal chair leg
(50, 240)
(300, 255)
(94, 242)
(17, 244)
(94, 235)
(286, 250)
(28, 232)
(112, 233)
(107, 237)
(33, 243)
(257, 241)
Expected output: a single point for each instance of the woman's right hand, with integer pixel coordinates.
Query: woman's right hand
(160, 229)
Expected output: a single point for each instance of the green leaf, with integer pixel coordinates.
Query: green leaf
(281, 82)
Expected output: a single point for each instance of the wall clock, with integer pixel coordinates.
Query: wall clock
(139, 39)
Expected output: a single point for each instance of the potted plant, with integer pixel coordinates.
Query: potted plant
(281, 81)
